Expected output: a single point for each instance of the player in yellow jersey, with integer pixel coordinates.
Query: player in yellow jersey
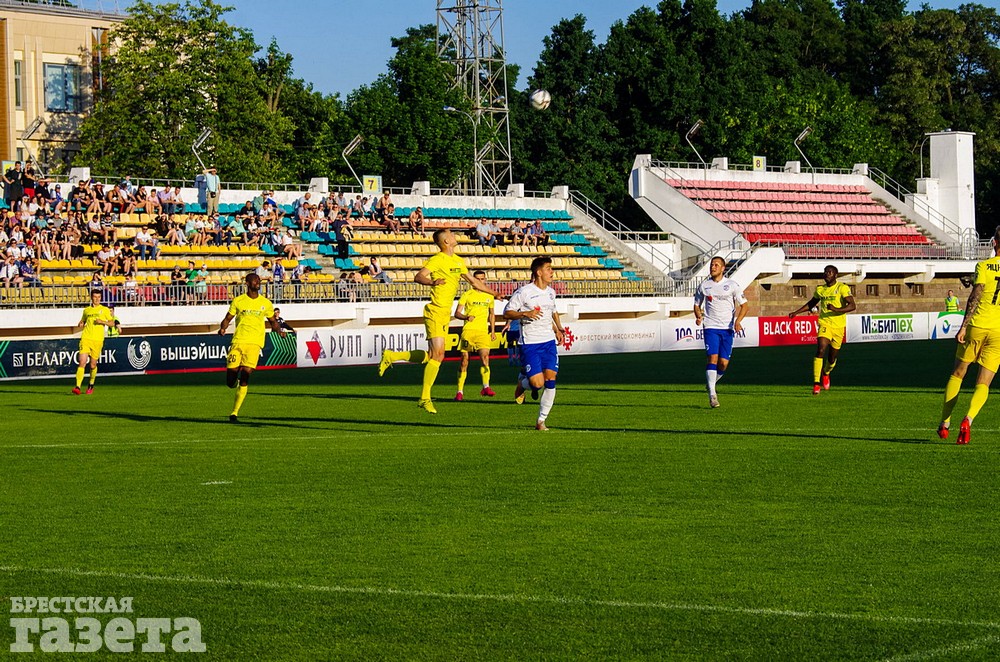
(95, 322)
(442, 273)
(251, 311)
(979, 341)
(835, 301)
(478, 333)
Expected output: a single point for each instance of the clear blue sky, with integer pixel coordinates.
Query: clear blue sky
(340, 45)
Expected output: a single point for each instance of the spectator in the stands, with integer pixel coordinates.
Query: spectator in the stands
(28, 179)
(178, 284)
(382, 205)
(98, 203)
(105, 259)
(30, 270)
(127, 193)
(146, 244)
(496, 232)
(376, 271)
(484, 234)
(126, 258)
(342, 235)
(389, 220)
(289, 248)
(516, 235)
(358, 207)
(142, 201)
(175, 235)
(96, 282)
(166, 199)
(57, 200)
(79, 196)
(115, 200)
(264, 271)
(417, 221)
(536, 234)
(13, 189)
(10, 274)
(109, 228)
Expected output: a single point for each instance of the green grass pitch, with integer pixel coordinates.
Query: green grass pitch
(338, 521)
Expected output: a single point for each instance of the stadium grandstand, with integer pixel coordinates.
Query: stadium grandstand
(776, 227)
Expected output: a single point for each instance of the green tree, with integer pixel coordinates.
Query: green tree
(571, 142)
(408, 136)
(179, 68)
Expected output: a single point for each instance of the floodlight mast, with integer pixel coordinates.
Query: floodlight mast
(26, 136)
(692, 132)
(351, 146)
(205, 133)
(470, 40)
(802, 136)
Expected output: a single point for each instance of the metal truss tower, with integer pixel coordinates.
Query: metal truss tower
(470, 37)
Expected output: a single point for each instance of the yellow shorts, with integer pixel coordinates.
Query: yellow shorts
(835, 334)
(981, 346)
(242, 356)
(91, 347)
(436, 326)
(474, 341)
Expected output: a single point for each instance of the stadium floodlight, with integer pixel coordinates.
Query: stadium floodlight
(351, 146)
(26, 136)
(477, 172)
(802, 136)
(205, 133)
(692, 132)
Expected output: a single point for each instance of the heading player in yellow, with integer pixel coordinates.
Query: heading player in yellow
(478, 333)
(979, 341)
(442, 273)
(95, 322)
(251, 311)
(835, 301)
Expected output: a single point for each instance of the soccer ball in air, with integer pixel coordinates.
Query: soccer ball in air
(540, 99)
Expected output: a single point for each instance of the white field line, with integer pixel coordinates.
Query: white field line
(960, 647)
(479, 432)
(507, 597)
(218, 482)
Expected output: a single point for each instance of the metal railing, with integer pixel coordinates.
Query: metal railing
(743, 167)
(214, 294)
(917, 204)
(646, 248)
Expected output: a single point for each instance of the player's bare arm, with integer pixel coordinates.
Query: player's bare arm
(970, 308)
(740, 314)
(224, 324)
(424, 278)
(276, 326)
(698, 314)
(802, 309)
(460, 313)
(481, 286)
(558, 328)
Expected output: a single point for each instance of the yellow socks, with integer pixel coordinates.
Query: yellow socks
(462, 374)
(93, 375)
(430, 375)
(817, 369)
(951, 391)
(828, 367)
(978, 400)
(241, 394)
(79, 376)
(416, 356)
(485, 372)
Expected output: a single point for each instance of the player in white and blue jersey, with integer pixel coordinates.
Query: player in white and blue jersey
(719, 306)
(534, 305)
